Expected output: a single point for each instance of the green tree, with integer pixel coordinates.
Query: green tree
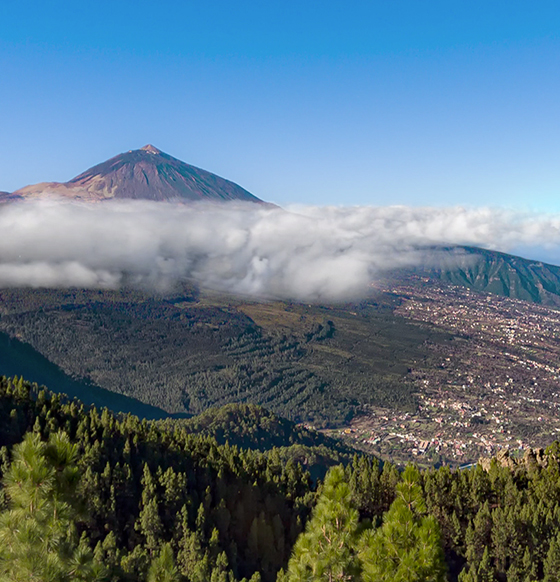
(326, 550)
(192, 560)
(407, 547)
(551, 564)
(485, 570)
(529, 567)
(149, 522)
(163, 567)
(478, 535)
(38, 539)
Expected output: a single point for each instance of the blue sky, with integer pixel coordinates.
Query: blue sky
(401, 102)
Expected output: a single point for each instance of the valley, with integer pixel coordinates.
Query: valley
(190, 351)
(421, 370)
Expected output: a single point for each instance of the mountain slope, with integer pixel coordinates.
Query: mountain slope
(413, 364)
(144, 174)
(248, 426)
(205, 498)
(501, 274)
(193, 352)
(8, 197)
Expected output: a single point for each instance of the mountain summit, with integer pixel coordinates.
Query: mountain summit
(151, 149)
(144, 174)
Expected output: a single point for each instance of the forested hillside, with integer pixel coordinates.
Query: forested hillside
(188, 351)
(413, 365)
(121, 499)
(252, 427)
(502, 274)
(229, 510)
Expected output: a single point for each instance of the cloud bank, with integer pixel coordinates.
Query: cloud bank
(303, 253)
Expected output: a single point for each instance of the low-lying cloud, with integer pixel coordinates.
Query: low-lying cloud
(303, 253)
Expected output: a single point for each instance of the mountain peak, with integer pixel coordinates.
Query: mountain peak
(134, 175)
(151, 149)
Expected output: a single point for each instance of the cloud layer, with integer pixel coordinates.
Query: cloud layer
(303, 253)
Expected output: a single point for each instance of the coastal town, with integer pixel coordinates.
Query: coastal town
(498, 390)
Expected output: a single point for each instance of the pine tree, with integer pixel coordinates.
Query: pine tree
(485, 570)
(149, 522)
(551, 563)
(38, 539)
(529, 567)
(221, 572)
(193, 561)
(325, 551)
(468, 575)
(407, 547)
(478, 535)
(163, 568)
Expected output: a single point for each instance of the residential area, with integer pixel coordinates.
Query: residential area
(497, 384)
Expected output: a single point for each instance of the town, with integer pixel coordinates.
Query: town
(498, 390)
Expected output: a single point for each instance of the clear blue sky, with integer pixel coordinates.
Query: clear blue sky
(379, 102)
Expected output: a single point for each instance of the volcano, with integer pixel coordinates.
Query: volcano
(144, 174)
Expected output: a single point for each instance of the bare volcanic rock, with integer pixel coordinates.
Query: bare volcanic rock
(144, 174)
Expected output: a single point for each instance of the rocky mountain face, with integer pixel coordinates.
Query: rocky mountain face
(531, 458)
(144, 174)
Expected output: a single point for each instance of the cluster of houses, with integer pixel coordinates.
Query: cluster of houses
(497, 389)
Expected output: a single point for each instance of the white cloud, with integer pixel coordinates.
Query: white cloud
(303, 253)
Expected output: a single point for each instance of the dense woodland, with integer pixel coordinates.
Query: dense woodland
(184, 352)
(87, 495)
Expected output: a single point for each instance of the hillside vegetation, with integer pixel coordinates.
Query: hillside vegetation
(186, 352)
(141, 500)
(248, 426)
(502, 274)
(421, 370)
